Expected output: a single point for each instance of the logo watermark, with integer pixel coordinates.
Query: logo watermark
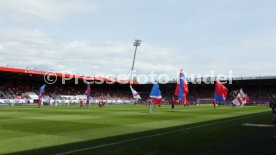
(50, 77)
(151, 77)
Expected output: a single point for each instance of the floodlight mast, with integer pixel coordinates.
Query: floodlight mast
(136, 44)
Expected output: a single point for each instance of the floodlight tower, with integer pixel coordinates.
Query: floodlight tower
(136, 44)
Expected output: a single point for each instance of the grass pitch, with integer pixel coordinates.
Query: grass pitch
(130, 129)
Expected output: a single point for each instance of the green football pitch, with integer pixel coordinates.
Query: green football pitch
(130, 129)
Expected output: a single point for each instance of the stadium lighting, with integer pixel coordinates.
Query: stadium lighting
(136, 44)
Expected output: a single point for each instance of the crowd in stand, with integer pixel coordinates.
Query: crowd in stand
(11, 90)
(18, 90)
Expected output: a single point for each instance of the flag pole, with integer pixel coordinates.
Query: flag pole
(136, 44)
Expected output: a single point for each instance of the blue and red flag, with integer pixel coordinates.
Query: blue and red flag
(41, 91)
(182, 89)
(156, 93)
(220, 92)
(88, 92)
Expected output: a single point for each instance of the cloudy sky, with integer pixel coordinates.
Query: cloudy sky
(96, 36)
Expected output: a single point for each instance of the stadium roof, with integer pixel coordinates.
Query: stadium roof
(8, 71)
(255, 78)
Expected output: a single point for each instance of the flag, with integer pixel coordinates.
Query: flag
(220, 92)
(182, 89)
(155, 91)
(88, 92)
(241, 99)
(234, 93)
(157, 101)
(135, 93)
(41, 91)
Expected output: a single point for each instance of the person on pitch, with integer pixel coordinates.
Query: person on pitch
(177, 102)
(272, 105)
(173, 103)
(101, 103)
(87, 103)
(215, 103)
(81, 103)
(149, 103)
(39, 103)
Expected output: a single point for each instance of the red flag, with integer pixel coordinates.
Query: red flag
(220, 92)
(157, 100)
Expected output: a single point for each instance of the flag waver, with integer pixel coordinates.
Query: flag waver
(135, 93)
(182, 89)
(220, 92)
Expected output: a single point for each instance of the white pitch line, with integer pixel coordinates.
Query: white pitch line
(150, 136)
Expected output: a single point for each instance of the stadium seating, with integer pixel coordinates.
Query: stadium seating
(22, 89)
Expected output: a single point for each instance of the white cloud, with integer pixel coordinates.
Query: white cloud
(35, 48)
(50, 10)
(25, 48)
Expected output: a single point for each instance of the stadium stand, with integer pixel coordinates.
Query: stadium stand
(21, 86)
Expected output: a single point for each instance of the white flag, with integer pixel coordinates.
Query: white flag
(135, 93)
(241, 99)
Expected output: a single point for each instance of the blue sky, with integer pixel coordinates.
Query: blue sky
(96, 36)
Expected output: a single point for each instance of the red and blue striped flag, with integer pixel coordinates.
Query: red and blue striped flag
(156, 93)
(88, 92)
(220, 92)
(182, 89)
